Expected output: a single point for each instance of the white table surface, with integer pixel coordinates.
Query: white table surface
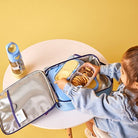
(47, 53)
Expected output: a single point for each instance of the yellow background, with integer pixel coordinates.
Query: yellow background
(110, 26)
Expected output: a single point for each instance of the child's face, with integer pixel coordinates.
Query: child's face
(123, 76)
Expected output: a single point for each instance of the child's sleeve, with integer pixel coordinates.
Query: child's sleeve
(85, 100)
(111, 70)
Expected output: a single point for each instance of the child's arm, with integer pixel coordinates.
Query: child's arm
(111, 70)
(85, 100)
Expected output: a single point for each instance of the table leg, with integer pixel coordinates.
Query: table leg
(69, 133)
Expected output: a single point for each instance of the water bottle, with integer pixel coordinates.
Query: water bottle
(15, 59)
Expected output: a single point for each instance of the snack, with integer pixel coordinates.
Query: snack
(87, 71)
(79, 80)
(83, 76)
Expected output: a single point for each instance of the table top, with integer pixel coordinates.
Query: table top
(45, 54)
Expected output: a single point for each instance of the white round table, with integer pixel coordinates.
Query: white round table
(47, 53)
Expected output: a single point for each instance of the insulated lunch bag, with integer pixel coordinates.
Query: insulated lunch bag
(36, 94)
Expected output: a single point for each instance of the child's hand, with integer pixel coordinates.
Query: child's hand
(61, 83)
(94, 67)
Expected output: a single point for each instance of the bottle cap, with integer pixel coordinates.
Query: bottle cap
(13, 52)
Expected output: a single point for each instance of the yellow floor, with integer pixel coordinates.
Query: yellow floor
(110, 26)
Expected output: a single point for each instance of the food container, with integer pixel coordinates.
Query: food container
(67, 69)
(83, 76)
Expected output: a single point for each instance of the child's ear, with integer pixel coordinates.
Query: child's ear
(136, 84)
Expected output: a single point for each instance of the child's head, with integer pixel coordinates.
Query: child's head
(129, 70)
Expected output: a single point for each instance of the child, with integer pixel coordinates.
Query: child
(115, 116)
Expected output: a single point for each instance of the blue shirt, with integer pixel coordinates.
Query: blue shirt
(113, 113)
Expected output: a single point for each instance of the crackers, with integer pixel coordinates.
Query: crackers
(83, 76)
(79, 80)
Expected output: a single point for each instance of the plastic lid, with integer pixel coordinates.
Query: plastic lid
(13, 52)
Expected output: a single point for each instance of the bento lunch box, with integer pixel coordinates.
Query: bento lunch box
(101, 83)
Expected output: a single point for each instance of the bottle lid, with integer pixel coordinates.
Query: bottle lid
(13, 52)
